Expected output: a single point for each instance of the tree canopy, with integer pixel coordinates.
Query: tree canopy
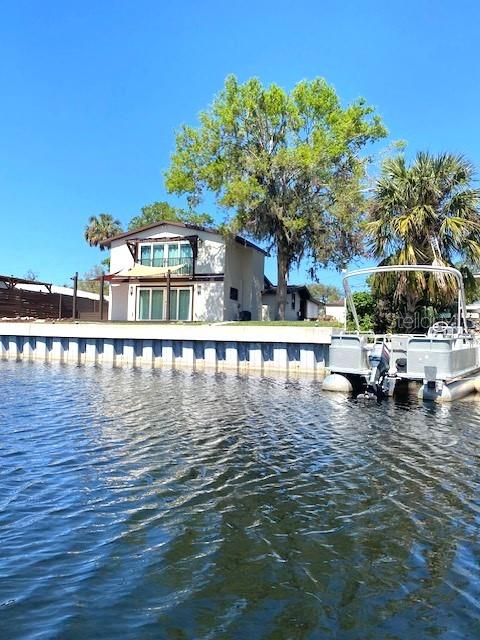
(424, 213)
(163, 212)
(325, 292)
(105, 226)
(100, 228)
(91, 279)
(286, 166)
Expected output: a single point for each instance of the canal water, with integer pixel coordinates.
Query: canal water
(178, 505)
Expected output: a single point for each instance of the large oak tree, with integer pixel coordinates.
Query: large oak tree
(286, 166)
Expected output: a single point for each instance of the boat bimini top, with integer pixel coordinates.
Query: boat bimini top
(461, 305)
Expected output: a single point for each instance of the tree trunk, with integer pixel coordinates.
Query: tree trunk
(282, 275)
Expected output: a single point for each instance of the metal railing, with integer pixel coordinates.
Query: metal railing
(186, 264)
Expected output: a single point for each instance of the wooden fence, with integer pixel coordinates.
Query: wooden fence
(20, 303)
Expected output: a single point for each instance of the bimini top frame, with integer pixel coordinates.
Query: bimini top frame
(461, 306)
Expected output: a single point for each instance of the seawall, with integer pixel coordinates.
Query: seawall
(218, 347)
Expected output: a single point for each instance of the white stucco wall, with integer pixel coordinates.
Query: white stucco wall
(244, 269)
(269, 303)
(312, 311)
(269, 300)
(118, 308)
(211, 249)
(120, 256)
(208, 301)
(335, 311)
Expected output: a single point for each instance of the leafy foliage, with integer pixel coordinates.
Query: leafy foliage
(365, 306)
(325, 292)
(425, 213)
(101, 228)
(286, 164)
(165, 212)
(89, 283)
(31, 275)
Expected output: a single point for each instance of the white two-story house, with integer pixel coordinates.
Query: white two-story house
(176, 271)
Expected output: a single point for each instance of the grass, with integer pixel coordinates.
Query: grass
(288, 323)
(252, 323)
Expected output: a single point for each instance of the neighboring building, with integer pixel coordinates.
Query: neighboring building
(176, 271)
(64, 291)
(336, 309)
(300, 304)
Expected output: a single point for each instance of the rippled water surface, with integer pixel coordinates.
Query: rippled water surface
(163, 504)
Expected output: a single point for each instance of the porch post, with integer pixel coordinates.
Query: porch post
(102, 297)
(168, 296)
(74, 302)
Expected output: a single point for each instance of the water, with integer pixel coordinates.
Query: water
(175, 505)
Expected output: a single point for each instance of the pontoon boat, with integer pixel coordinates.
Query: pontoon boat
(445, 361)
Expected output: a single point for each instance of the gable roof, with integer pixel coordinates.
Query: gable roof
(182, 225)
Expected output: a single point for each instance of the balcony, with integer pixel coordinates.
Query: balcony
(179, 266)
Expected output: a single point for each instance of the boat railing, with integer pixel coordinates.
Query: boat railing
(455, 273)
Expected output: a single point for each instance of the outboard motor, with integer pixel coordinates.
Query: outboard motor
(379, 359)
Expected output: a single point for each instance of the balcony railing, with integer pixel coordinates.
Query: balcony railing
(179, 266)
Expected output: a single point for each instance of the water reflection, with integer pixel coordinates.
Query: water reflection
(166, 504)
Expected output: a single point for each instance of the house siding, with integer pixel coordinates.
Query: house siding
(269, 301)
(244, 269)
(208, 301)
(118, 308)
(335, 311)
(269, 311)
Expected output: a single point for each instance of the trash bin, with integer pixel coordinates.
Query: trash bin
(245, 315)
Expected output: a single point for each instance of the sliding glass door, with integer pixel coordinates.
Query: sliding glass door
(152, 304)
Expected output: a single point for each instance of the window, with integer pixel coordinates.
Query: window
(152, 304)
(167, 254)
(233, 293)
(293, 301)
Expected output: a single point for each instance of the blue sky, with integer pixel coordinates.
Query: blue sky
(92, 92)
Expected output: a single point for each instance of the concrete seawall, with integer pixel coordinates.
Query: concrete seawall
(218, 347)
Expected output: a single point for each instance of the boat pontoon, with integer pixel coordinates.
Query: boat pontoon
(445, 361)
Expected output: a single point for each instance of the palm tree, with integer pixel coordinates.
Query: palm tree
(425, 213)
(101, 228)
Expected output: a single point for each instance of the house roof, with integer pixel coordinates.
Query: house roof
(182, 225)
(64, 291)
(26, 284)
(12, 281)
(271, 289)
